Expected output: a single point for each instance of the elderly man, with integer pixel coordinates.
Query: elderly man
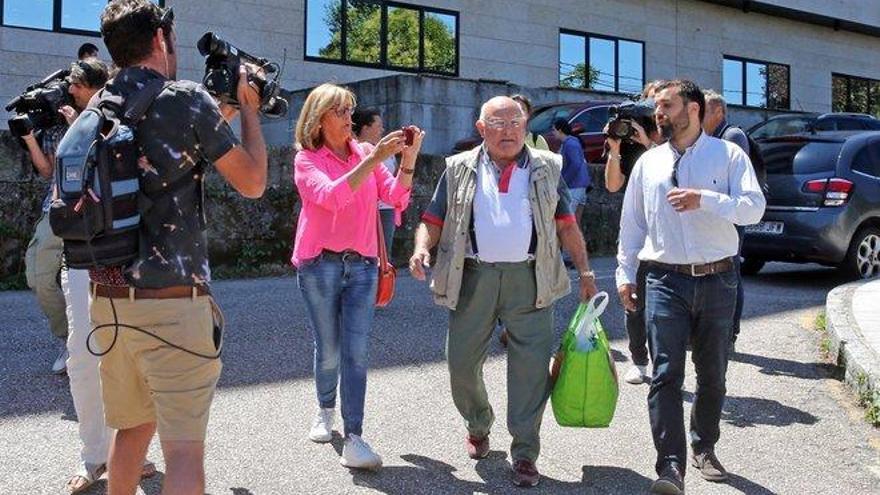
(682, 203)
(499, 214)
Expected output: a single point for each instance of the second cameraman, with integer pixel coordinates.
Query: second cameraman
(43, 257)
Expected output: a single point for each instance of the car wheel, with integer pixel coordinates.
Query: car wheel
(751, 266)
(863, 258)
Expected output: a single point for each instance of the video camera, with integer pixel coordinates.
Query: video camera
(621, 117)
(37, 107)
(222, 64)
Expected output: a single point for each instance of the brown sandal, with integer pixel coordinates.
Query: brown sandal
(87, 477)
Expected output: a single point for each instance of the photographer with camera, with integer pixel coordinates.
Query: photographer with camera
(629, 134)
(47, 109)
(164, 293)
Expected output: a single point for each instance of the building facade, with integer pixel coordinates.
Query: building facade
(779, 55)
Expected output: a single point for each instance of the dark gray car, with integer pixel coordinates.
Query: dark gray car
(823, 203)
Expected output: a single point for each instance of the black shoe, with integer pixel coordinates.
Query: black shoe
(709, 465)
(670, 482)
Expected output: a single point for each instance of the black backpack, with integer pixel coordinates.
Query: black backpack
(97, 206)
(756, 159)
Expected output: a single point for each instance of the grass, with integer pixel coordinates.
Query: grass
(821, 326)
(869, 399)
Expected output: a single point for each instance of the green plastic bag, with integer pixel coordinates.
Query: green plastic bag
(585, 392)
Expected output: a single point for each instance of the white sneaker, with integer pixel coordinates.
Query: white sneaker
(637, 375)
(356, 453)
(59, 367)
(322, 427)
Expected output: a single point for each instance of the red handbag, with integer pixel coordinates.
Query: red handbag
(387, 272)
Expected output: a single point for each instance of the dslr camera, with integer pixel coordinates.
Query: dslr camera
(37, 107)
(222, 62)
(621, 117)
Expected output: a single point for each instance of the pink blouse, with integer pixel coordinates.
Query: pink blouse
(334, 217)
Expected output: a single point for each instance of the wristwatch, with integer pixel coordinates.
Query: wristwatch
(588, 274)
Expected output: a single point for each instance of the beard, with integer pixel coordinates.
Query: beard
(674, 125)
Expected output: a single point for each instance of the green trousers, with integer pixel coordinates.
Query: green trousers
(507, 291)
(42, 269)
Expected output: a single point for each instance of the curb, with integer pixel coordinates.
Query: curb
(848, 346)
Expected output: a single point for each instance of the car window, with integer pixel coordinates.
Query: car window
(781, 127)
(800, 157)
(850, 125)
(867, 160)
(542, 120)
(872, 124)
(826, 125)
(592, 120)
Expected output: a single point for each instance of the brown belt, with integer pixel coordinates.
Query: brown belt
(720, 266)
(173, 292)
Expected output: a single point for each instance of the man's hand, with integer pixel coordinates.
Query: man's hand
(588, 288)
(420, 260)
(69, 113)
(248, 96)
(627, 293)
(684, 199)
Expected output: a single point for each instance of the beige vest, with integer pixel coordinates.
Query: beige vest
(550, 273)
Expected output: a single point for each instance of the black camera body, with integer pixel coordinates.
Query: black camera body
(37, 107)
(222, 64)
(620, 119)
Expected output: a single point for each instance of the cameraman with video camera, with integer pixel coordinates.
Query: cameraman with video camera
(69, 95)
(630, 133)
(164, 291)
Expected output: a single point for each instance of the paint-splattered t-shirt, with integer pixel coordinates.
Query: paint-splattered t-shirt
(181, 135)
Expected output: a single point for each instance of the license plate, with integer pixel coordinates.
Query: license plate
(772, 228)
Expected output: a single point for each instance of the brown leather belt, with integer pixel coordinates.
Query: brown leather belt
(173, 292)
(720, 266)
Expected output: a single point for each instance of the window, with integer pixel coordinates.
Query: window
(855, 94)
(754, 83)
(592, 120)
(867, 161)
(600, 63)
(388, 35)
(72, 16)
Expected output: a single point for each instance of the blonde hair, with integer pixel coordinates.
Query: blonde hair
(320, 101)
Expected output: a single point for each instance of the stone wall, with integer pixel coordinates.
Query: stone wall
(244, 233)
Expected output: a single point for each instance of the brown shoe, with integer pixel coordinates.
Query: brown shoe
(525, 474)
(709, 465)
(477, 448)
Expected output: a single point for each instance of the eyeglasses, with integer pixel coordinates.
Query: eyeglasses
(499, 124)
(343, 111)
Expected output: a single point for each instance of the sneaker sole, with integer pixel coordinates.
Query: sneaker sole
(322, 439)
(366, 467)
(665, 487)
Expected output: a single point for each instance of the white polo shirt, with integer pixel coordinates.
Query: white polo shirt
(502, 211)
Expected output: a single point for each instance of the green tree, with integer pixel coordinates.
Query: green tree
(579, 77)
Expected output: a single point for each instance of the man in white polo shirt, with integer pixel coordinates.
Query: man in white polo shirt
(498, 216)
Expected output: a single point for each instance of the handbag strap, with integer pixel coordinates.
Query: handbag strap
(383, 252)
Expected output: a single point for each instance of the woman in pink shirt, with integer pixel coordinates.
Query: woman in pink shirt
(335, 250)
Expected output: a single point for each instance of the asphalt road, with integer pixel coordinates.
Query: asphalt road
(788, 426)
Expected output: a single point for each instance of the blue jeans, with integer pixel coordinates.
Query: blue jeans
(679, 308)
(340, 296)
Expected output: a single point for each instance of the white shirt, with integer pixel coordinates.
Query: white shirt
(651, 229)
(502, 220)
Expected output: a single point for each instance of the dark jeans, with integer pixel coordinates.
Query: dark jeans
(340, 296)
(740, 291)
(679, 308)
(635, 323)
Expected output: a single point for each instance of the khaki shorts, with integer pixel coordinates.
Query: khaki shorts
(144, 380)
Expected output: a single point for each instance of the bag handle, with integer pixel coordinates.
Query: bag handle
(383, 252)
(596, 305)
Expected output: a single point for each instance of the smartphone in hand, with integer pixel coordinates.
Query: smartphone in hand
(409, 134)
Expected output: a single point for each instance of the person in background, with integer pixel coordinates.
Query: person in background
(87, 50)
(368, 127)
(574, 166)
(534, 141)
(340, 182)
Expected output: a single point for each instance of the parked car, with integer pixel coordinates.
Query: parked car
(795, 123)
(587, 119)
(823, 204)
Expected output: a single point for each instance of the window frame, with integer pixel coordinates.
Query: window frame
(745, 90)
(849, 79)
(57, 6)
(587, 35)
(383, 63)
